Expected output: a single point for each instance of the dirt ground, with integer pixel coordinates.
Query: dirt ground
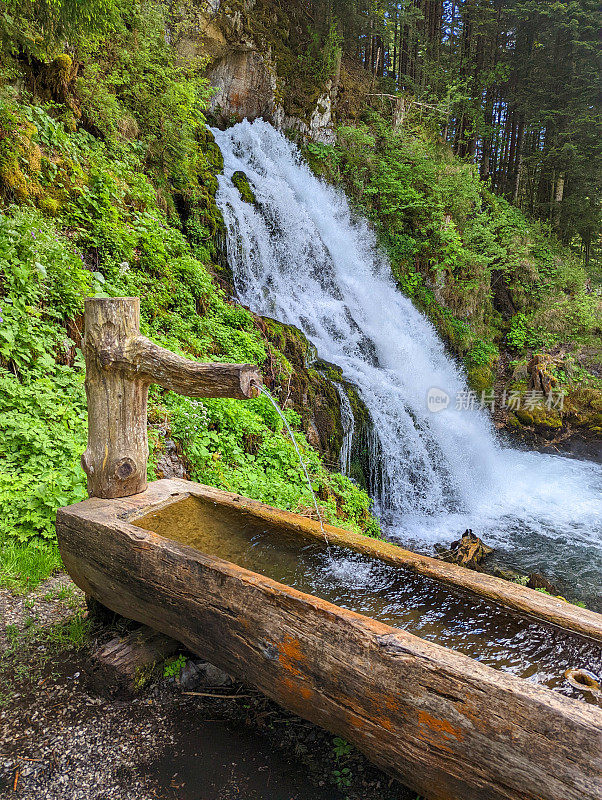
(62, 739)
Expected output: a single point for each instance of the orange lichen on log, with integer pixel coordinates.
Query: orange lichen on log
(439, 727)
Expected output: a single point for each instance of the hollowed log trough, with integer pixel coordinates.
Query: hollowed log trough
(442, 723)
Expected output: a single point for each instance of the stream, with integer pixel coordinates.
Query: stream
(300, 255)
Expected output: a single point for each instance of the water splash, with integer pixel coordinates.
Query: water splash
(300, 255)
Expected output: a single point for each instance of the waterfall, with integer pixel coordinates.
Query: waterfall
(348, 425)
(300, 255)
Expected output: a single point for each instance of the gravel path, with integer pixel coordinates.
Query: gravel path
(59, 740)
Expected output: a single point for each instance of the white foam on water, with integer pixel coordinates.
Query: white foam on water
(348, 425)
(301, 256)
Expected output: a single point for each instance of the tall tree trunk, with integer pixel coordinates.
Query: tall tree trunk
(520, 141)
(558, 195)
(395, 75)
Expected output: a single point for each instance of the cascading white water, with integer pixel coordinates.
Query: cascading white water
(301, 256)
(348, 425)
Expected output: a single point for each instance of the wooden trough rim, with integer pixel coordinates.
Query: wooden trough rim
(520, 598)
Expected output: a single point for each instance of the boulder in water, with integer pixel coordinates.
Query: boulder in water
(539, 581)
(469, 551)
(240, 180)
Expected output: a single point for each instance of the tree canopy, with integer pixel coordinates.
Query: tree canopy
(515, 83)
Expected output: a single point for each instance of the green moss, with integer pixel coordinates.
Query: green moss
(63, 63)
(48, 205)
(143, 675)
(480, 378)
(214, 156)
(20, 157)
(540, 418)
(240, 180)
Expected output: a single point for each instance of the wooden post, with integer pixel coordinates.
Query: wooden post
(120, 366)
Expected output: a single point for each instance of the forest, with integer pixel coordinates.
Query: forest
(515, 87)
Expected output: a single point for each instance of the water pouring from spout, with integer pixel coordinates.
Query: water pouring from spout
(264, 391)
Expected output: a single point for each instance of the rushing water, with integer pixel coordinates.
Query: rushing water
(348, 425)
(301, 256)
(443, 614)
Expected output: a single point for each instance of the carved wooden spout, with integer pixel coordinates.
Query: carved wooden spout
(120, 366)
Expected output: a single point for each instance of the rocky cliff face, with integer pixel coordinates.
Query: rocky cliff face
(246, 87)
(244, 71)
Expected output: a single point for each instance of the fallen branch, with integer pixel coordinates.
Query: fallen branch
(221, 696)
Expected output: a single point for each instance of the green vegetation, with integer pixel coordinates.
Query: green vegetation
(24, 565)
(107, 185)
(340, 747)
(110, 190)
(579, 603)
(174, 666)
(342, 775)
(511, 85)
(343, 778)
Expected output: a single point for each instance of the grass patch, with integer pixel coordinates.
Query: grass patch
(25, 565)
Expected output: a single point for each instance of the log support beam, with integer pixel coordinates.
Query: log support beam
(123, 665)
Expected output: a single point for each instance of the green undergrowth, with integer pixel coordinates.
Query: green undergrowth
(25, 565)
(235, 445)
(113, 201)
(490, 279)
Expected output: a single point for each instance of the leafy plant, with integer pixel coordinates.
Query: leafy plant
(343, 778)
(173, 666)
(340, 747)
(519, 331)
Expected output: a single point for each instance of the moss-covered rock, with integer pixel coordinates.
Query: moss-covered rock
(306, 384)
(544, 420)
(480, 378)
(240, 180)
(583, 408)
(298, 384)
